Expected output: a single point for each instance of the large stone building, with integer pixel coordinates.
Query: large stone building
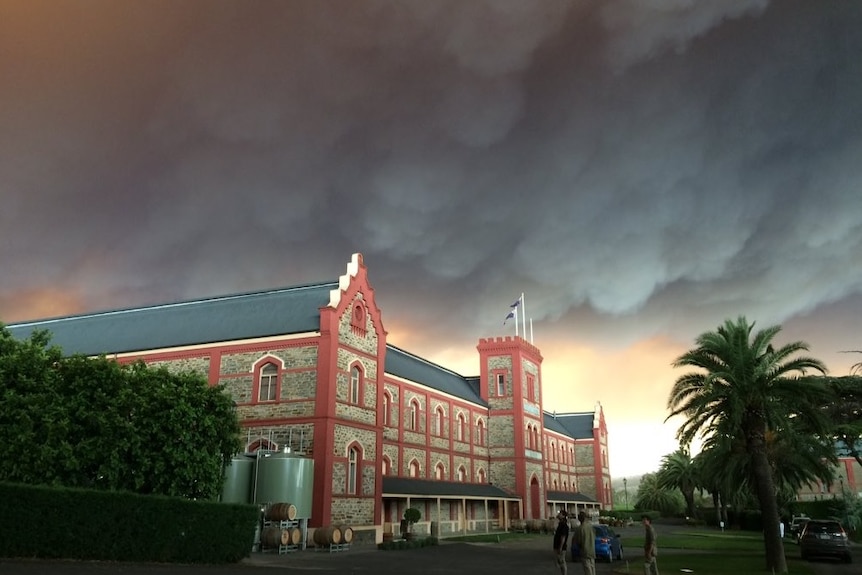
(310, 369)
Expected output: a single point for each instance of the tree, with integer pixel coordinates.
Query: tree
(844, 410)
(679, 471)
(653, 497)
(743, 389)
(91, 422)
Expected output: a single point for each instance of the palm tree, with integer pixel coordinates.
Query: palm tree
(744, 388)
(679, 471)
(652, 497)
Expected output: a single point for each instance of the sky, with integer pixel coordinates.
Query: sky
(642, 170)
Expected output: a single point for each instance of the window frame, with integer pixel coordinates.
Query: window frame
(354, 386)
(272, 385)
(354, 459)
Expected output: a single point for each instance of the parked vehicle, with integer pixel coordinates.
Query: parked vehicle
(609, 546)
(796, 525)
(824, 537)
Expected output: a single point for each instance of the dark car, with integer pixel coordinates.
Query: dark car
(824, 537)
(609, 546)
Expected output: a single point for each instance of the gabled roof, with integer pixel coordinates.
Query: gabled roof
(433, 488)
(225, 318)
(413, 368)
(575, 425)
(568, 496)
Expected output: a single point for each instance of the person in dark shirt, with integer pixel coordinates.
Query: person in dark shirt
(561, 538)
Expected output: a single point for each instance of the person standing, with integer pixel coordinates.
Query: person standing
(561, 538)
(650, 547)
(587, 544)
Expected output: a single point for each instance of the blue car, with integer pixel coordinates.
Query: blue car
(609, 546)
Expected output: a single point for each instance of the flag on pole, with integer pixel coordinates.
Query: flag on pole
(509, 316)
(517, 302)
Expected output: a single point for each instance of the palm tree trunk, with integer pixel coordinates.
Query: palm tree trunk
(716, 504)
(775, 559)
(688, 495)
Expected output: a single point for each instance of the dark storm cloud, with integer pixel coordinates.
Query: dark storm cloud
(653, 163)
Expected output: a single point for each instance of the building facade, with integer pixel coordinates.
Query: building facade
(311, 371)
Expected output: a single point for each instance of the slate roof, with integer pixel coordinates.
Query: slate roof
(408, 366)
(245, 316)
(225, 318)
(568, 496)
(432, 488)
(575, 425)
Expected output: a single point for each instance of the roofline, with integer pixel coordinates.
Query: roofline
(58, 319)
(431, 363)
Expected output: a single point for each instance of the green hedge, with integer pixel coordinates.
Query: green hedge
(52, 522)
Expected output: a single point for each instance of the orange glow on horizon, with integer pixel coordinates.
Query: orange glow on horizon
(38, 304)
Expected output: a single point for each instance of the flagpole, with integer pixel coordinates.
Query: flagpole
(524, 314)
(531, 330)
(516, 323)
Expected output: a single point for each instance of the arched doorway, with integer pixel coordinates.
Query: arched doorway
(535, 499)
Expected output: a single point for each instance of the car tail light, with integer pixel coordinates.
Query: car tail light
(605, 540)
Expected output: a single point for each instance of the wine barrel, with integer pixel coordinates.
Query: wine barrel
(272, 537)
(534, 525)
(329, 535)
(281, 512)
(294, 536)
(346, 533)
(550, 525)
(519, 525)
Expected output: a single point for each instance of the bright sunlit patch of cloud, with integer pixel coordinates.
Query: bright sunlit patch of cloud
(39, 303)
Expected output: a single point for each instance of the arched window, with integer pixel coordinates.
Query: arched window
(480, 432)
(462, 474)
(480, 475)
(413, 470)
(438, 421)
(386, 403)
(462, 425)
(552, 452)
(413, 414)
(355, 384)
(353, 457)
(439, 471)
(268, 384)
(385, 466)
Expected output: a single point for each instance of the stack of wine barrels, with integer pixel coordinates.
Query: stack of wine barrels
(519, 525)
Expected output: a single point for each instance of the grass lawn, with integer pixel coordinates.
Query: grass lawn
(710, 552)
(704, 551)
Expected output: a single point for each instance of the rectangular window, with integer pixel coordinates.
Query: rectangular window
(531, 387)
(501, 384)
